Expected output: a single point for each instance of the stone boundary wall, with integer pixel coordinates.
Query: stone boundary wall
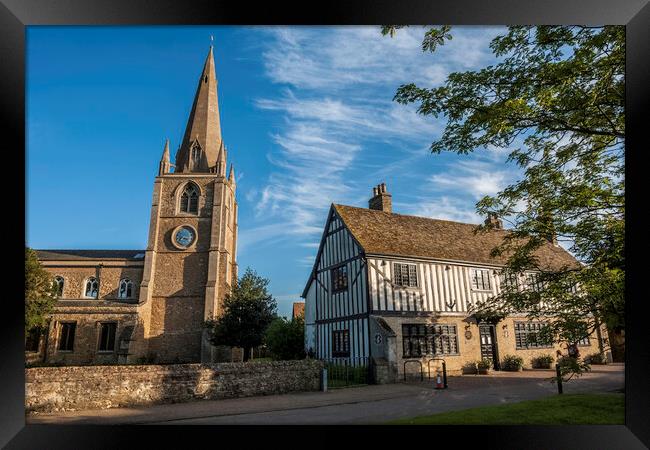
(49, 389)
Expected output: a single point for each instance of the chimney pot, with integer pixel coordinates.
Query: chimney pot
(381, 200)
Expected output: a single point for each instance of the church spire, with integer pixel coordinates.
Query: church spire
(200, 149)
(164, 161)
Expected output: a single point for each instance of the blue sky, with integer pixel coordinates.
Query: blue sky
(306, 114)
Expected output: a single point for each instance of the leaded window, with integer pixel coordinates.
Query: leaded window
(509, 281)
(340, 343)
(480, 279)
(107, 336)
(419, 340)
(526, 335)
(92, 288)
(190, 199)
(126, 288)
(414, 340)
(339, 278)
(405, 275)
(533, 283)
(66, 336)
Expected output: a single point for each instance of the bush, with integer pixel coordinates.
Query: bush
(484, 364)
(543, 362)
(285, 339)
(470, 367)
(512, 363)
(596, 358)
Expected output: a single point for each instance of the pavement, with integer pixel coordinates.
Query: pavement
(355, 405)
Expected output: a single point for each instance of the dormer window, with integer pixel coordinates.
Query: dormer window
(190, 199)
(92, 288)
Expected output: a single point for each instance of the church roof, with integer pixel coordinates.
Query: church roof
(385, 233)
(84, 255)
(203, 126)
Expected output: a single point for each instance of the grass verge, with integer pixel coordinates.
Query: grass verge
(597, 409)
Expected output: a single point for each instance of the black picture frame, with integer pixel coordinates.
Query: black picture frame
(15, 15)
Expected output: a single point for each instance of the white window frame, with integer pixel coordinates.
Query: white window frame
(472, 278)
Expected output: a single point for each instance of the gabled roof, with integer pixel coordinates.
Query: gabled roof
(92, 255)
(385, 233)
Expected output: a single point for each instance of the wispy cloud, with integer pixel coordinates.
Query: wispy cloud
(342, 133)
(473, 177)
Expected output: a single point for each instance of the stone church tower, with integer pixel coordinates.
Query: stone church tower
(190, 260)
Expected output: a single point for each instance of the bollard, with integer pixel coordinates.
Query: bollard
(444, 375)
(559, 378)
(324, 380)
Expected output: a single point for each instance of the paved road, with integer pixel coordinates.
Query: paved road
(362, 405)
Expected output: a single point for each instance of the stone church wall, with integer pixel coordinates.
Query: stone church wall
(92, 387)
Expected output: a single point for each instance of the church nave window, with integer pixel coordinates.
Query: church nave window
(92, 288)
(58, 285)
(126, 288)
(190, 199)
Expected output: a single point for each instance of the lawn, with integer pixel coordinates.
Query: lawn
(597, 409)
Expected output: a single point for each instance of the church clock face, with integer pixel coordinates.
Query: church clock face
(184, 236)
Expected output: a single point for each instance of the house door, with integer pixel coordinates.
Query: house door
(488, 344)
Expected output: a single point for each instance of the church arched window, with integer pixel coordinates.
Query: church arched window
(190, 199)
(92, 288)
(58, 285)
(126, 288)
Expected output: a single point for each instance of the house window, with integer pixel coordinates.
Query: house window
(480, 279)
(526, 335)
(339, 278)
(58, 285)
(190, 199)
(126, 288)
(414, 340)
(107, 337)
(509, 281)
(32, 340)
(420, 339)
(445, 340)
(584, 342)
(66, 338)
(340, 343)
(405, 275)
(533, 283)
(92, 288)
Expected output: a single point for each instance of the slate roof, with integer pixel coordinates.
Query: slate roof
(85, 255)
(386, 233)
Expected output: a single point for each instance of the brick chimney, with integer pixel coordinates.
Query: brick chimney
(381, 200)
(492, 219)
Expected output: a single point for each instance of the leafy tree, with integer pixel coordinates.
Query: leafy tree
(248, 311)
(285, 339)
(40, 293)
(556, 94)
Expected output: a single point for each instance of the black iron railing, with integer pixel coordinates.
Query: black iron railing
(343, 372)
